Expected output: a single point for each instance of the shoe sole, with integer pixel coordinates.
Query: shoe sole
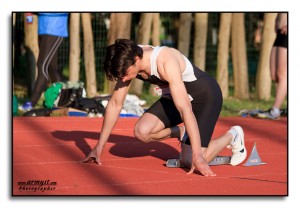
(241, 132)
(24, 110)
(262, 116)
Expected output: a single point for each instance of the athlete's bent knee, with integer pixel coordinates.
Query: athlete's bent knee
(142, 134)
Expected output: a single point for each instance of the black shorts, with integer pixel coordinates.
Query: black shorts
(207, 103)
(281, 40)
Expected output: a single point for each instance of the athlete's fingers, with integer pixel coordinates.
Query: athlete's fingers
(208, 172)
(191, 170)
(90, 158)
(87, 159)
(97, 160)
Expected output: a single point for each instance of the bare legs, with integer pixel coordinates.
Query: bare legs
(216, 146)
(278, 67)
(149, 129)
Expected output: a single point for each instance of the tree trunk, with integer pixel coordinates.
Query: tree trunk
(156, 29)
(89, 55)
(14, 34)
(263, 77)
(239, 57)
(144, 30)
(155, 41)
(184, 33)
(223, 52)
(32, 48)
(13, 53)
(120, 25)
(201, 21)
(144, 34)
(74, 60)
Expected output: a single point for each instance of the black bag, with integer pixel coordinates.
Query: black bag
(73, 98)
(68, 97)
(90, 105)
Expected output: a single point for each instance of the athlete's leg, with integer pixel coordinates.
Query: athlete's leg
(47, 47)
(159, 122)
(281, 74)
(207, 115)
(150, 128)
(42, 77)
(216, 146)
(53, 69)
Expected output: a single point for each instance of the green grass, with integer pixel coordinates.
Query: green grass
(231, 106)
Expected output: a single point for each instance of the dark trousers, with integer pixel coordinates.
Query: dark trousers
(47, 63)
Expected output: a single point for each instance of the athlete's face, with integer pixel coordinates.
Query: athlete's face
(132, 71)
(130, 74)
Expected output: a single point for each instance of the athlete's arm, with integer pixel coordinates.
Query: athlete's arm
(169, 69)
(111, 116)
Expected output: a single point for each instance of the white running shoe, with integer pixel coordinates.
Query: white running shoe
(239, 152)
(272, 113)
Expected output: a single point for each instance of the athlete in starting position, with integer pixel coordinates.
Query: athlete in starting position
(189, 95)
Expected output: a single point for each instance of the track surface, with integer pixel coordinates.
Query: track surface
(48, 149)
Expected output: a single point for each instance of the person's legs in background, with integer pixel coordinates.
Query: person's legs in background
(47, 64)
(281, 77)
(278, 67)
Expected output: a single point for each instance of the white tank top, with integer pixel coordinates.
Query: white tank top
(188, 74)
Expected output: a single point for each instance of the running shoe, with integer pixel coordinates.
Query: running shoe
(269, 114)
(239, 152)
(27, 106)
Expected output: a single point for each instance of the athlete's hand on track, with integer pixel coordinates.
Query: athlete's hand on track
(94, 155)
(200, 164)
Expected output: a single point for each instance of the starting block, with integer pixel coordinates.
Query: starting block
(254, 158)
(174, 163)
(219, 160)
(185, 159)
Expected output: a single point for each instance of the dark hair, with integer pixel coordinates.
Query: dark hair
(119, 57)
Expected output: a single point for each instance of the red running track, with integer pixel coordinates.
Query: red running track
(47, 149)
